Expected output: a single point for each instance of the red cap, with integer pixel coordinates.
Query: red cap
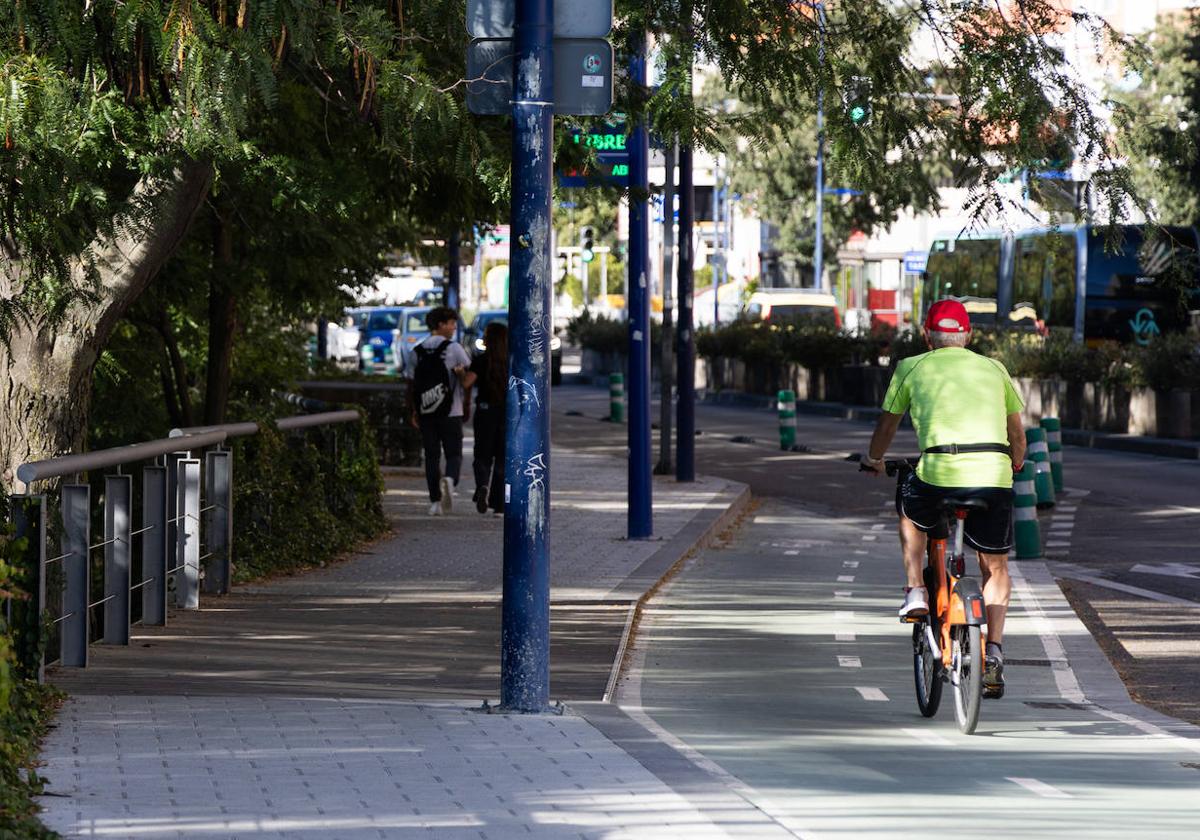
(948, 316)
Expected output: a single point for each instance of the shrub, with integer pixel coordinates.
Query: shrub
(598, 333)
(25, 710)
(1169, 361)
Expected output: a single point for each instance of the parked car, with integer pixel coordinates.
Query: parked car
(389, 332)
(473, 340)
(797, 306)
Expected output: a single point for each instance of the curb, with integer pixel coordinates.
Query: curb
(644, 582)
(1162, 447)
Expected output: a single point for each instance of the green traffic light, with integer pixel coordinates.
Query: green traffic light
(587, 255)
(857, 114)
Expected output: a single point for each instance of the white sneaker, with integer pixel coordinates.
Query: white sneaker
(435, 509)
(448, 486)
(916, 602)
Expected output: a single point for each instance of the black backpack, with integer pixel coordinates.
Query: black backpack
(432, 386)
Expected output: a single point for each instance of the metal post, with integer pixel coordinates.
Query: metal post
(716, 252)
(76, 537)
(604, 279)
(819, 234)
(685, 348)
(154, 546)
(453, 275)
(640, 520)
(172, 496)
(665, 369)
(218, 522)
(118, 503)
(29, 517)
(525, 611)
(187, 535)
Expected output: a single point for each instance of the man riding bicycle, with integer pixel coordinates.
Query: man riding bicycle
(967, 417)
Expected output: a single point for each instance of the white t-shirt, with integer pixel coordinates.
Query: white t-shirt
(455, 356)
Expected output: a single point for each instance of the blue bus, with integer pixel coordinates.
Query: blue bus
(1067, 277)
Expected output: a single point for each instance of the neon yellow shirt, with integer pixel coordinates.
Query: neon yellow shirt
(956, 396)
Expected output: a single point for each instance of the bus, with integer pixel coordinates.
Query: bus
(1068, 277)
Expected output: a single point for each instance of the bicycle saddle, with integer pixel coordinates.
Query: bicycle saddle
(953, 503)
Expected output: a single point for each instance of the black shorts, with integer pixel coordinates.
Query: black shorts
(989, 531)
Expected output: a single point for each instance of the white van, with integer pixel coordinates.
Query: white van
(798, 306)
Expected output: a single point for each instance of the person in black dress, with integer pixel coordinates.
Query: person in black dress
(491, 385)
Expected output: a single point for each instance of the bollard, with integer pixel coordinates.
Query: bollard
(1039, 453)
(1054, 444)
(1026, 533)
(787, 419)
(616, 398)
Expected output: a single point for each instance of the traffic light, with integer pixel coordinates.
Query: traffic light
(856, 97)
(587, 242)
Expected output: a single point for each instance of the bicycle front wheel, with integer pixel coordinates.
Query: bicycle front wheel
(927, 670)
(967, 676)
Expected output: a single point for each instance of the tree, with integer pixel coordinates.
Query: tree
(120, 117)
(1159, 119)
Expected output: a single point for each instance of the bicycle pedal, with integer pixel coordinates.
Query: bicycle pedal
(913, 619)
(993, 692)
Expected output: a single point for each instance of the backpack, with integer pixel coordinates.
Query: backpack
(432, 386)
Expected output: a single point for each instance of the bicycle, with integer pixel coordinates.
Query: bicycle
(948, 643)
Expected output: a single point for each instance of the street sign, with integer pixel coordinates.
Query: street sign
(572, 18)
(608, 171)
(915, 261)
(583, 76)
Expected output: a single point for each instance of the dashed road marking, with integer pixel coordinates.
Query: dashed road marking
(861, 551)
(871, 693)
(842, 593)
(844, 636)
(791, 552)
(878, 527)
(845, 579)
(926, 736)
(870, 537)
(850, 564)
(1040, 788)
(849, 662)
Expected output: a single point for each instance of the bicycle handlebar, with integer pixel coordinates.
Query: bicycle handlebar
(890, 467)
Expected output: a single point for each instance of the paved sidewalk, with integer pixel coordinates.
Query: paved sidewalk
(346, 702)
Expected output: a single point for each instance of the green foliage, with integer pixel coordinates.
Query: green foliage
(599, 333)
(1159, 118)
(302, 498)
(25, 712)
(1171, 361)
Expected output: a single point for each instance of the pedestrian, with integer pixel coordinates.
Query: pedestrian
(439, 377)
(491, 385)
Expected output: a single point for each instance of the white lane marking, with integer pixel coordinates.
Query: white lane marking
(861, 551)
(1058, 544)
(791, 553)
(843, 615)
(878, 527)
(870, 537)
(843, 593)
(844, 636)
(869, 693)
(1131, 590)
(1040, 788)
(926, 736)
(845, 579)
(850, 564)
(1064, 677)
(849, 662)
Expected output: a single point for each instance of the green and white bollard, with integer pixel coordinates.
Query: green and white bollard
(616, 398)
(1026, 532)
(1054, 444)
(787, 420)
(1039, 453)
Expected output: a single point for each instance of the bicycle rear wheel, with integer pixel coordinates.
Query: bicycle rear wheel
(967, 676)
(927, 670)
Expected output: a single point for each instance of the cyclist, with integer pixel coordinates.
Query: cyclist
(967, 417)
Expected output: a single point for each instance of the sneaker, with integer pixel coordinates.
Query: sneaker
(480, 499)
(447, 494)
(435, 509)
(993, 673)
(916, 603)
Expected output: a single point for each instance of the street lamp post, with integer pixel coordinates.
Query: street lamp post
(819, 233)
(640, 518)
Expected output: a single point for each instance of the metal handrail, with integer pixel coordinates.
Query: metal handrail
(230, 429)
(304, 421)
(101, 458)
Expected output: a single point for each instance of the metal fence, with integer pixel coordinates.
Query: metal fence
(185, 526)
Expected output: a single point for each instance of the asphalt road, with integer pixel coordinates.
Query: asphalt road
(1123, 547)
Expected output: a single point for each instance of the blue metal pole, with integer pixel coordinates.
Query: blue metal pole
(453, 272)
(685, 348)
(638, 388)
(525, 614)
(819, 247)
